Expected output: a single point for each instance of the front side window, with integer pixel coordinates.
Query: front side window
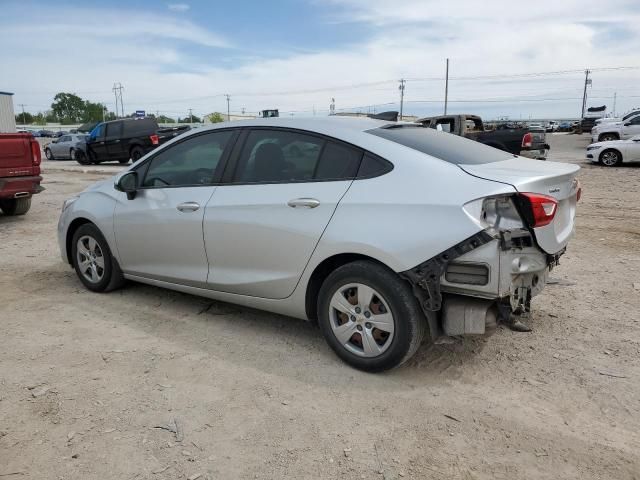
(191, 162)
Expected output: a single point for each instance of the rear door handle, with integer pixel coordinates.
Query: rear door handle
(188, 206)
(303, 202)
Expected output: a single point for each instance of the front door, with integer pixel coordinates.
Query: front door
(631, 128)
(159, 232)
(96, 145)
(261, 229)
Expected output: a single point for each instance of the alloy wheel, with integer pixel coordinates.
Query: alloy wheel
(361, 320)
(609, 158)
(90, 259)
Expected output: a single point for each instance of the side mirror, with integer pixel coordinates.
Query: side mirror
(128, 183)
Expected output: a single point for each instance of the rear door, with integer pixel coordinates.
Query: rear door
(261, 228)
(113, 140)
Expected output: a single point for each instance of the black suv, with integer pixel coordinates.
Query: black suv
(121, 140)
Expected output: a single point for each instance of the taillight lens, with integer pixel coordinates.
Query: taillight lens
(527, 140)
(540, 209)
(35, 153)
(154, 139)
(578, 191)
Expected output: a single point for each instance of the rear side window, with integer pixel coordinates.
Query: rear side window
(373, 166)
(271, 156)
(135, 128)
(445, 146)
(191, 162)
(114, 130)
(338, 162)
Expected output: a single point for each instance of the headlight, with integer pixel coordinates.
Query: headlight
(595, 147)
(68, 202)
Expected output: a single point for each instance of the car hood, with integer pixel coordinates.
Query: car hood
(101, 185)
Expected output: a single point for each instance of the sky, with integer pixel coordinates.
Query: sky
(296, 55)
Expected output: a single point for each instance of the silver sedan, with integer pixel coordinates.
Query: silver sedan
(65, 147)
(384, 233)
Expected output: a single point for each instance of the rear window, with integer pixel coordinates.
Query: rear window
(445, 146)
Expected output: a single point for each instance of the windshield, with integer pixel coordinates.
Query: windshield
(445, 146)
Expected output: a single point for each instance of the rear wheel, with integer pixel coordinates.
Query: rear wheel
(92, 260)
(15, 206)
(608, 137)
(369, 316)
(48, 154)
(136, 153)
(610, 158)
(124, 161)
(72, 154)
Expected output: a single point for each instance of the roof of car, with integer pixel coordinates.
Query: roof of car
(314, 124)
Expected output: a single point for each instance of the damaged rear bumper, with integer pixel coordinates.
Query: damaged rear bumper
(482, 278)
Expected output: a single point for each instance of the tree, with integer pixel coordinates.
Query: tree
(165, 119)
(39, 119)
(93, 112)
(190, 119)
(215, 117)
(24, 118)
(69, 108)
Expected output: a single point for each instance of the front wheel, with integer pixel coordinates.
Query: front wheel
(369, 316)
(610, 158)
(81, 157)
(92, 260)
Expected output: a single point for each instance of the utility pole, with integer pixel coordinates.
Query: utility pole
(117, 91)
(228, 108)
(23, 117)
(104, 110)
(401, 88)
(615, 95)
(332, 107)
(584, 95)
(190, 115)
(446, 88)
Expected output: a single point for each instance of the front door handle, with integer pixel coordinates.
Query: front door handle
(188, 206)
(303, 202)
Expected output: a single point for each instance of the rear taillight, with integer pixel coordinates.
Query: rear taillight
(539, 209)
(36, 157)
(527, 140)
(154, 139)
(578, 191)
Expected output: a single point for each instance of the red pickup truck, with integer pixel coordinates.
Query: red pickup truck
(19, 172)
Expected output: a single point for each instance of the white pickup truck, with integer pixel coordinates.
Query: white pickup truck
(620, 130)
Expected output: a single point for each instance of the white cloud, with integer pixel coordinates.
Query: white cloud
(149, 54)
(178, 7)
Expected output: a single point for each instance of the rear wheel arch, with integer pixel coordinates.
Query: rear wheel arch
(322, 271)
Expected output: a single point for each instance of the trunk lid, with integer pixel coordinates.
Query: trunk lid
(557, 180)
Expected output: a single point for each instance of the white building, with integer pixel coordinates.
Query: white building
(7, 116)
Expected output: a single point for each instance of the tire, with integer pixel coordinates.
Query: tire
(15, 206)
(48, 154)
(390, 348)
(72, 154)
(136, 154)
(94, 264)
(124, 161)
(610, 158)
(607, 137)
(81, 157)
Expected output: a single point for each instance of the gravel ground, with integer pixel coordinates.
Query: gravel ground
(86, 379)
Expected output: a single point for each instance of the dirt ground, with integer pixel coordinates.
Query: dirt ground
(86, 379)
